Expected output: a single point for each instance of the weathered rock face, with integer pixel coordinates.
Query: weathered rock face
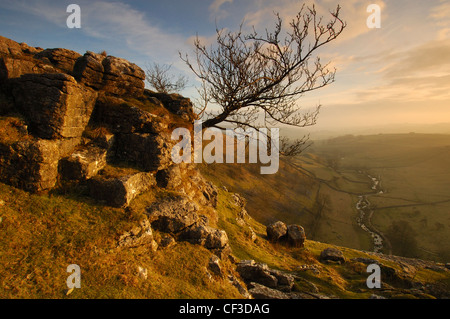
(256, 272)
(150, 152)
(176, 104)
(122, 117)
(88, 70)
(169, 178)
(83, 163)
(16, 59)
(32, 164)
(259, 291)
(173, 214)
(62, 95)
(122, 77)
(120, 191)
(55, 104)
(60, 58)
(110, 74)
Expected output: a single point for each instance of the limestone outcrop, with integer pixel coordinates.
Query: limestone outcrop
(67, 116)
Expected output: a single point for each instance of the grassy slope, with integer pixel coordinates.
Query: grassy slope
(43, 234)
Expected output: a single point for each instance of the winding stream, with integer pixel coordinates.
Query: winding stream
(365, 214)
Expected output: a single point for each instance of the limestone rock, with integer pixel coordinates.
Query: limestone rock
(276, 231)
(332, 254)
(167, 242)
(120, 191)
(296, 235)
(211, 238)
(239, 286)
(122, 77)
(256, 272)
(259, 291)
(150, 152)
(17, 59)
(169, 178)
(110, 74)
(83, 163)
(176, 104)
(14, 67)
(214, 265)
(172, 215)
(89, 70)
(9, 47)
(122, 117)
(63, 59)
(32, 164)
(139, 235)
(285, 280)
(55, 104)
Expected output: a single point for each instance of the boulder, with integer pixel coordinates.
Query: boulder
(239, 286)
(120, 191)
(83, 164)
(259, 291)
(137, 236)
(62, 59)
(172, 215)
(89, 70)
(110, 74)
(169, 178)
(251, 271)
(122, 77)
(285, 281)
(296, 235)
(276, 231)
(210, 192)
(332, 254)
(211, 238)
(214, 265)
(55, 104)
(167, 242)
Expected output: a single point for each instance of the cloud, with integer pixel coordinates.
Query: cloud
(117, 22)
(353, 12)
(429, 58)
(216, 9)
(440, 13)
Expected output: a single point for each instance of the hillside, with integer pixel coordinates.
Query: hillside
(87, 179)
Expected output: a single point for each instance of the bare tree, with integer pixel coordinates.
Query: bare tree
(160, 78)
(256, 80)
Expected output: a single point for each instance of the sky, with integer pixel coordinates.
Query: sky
(398, 73)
